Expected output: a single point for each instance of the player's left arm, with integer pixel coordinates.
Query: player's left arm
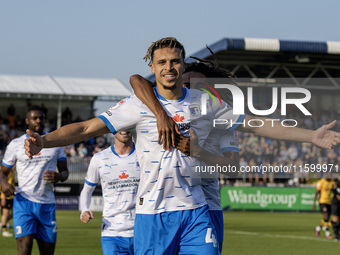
(6, 187)
(60, 176)
(84, 203)
(322, 137)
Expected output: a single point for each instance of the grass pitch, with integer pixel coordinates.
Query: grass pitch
(245, 233)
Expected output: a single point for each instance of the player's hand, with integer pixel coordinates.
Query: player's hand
(182, 144)
(326, 138)
(86, 216)
(51, 176)
(313, 209)
(33, 144)
(167, 129)
(7, 188)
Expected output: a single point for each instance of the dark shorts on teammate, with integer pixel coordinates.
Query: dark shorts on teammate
(335, 208)
(325, 208)
(9, 204)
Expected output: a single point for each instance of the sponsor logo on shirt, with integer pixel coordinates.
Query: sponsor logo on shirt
(178, 118)
(115, 107)
(123, 176)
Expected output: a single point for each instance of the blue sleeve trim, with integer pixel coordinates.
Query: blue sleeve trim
(240, 119)
(108, 124)
(62, 159)
(90, 183)
(6, 165)
(226, 149)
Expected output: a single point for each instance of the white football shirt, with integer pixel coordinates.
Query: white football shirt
(29, 171)
(119, 177)
(217, 143)
(169, 181)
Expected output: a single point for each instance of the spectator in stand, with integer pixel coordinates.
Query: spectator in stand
(11, 115)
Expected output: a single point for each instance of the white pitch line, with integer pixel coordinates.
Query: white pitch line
(280, 236)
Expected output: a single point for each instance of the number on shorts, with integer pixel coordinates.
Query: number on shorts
(18, 230)
(55, 226)
(210, 238)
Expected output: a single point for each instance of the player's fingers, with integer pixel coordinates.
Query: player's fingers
(168, 140)
(331, 125)
(91, 215)
(177, 129)
(173, 139)
(29, 133)
(159, 137)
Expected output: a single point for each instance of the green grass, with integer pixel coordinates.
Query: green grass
(245, 233)
(274, 233)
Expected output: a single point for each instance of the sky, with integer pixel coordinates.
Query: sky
(108, 39)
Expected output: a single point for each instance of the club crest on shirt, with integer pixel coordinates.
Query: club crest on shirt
(195, 111)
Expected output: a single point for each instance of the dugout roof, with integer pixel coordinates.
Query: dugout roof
(49, 87)
(78, 94)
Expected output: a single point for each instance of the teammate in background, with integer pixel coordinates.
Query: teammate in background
(220, 148)
(117, 169)
(7, 208)
(336, 210)
(170, 197)
(34, 203)
(324, 188)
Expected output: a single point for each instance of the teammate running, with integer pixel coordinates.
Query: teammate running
(34, 203)
(336, 210)
(7, 208)
(117, 169)
(324, 189)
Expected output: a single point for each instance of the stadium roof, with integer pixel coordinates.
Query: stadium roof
(260, 59)
(49, 87)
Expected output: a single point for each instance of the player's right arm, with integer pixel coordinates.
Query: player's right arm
(167, 128)
(91, 180)
(84, 201)
(6, 188)
(66, 135)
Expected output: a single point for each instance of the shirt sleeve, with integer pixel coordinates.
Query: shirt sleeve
(229, 142)
(61, 154)
(92, 176)
(85, 197)
(91, 180)
(223, 116)
(122, 116)
(10, 156)
(318, 185)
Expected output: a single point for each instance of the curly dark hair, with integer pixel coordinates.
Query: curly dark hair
(211, 70)
(167, 42)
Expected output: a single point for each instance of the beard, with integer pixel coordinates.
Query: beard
(169, 87)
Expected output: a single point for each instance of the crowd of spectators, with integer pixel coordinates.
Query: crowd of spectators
(11, 128)
(305, 159)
